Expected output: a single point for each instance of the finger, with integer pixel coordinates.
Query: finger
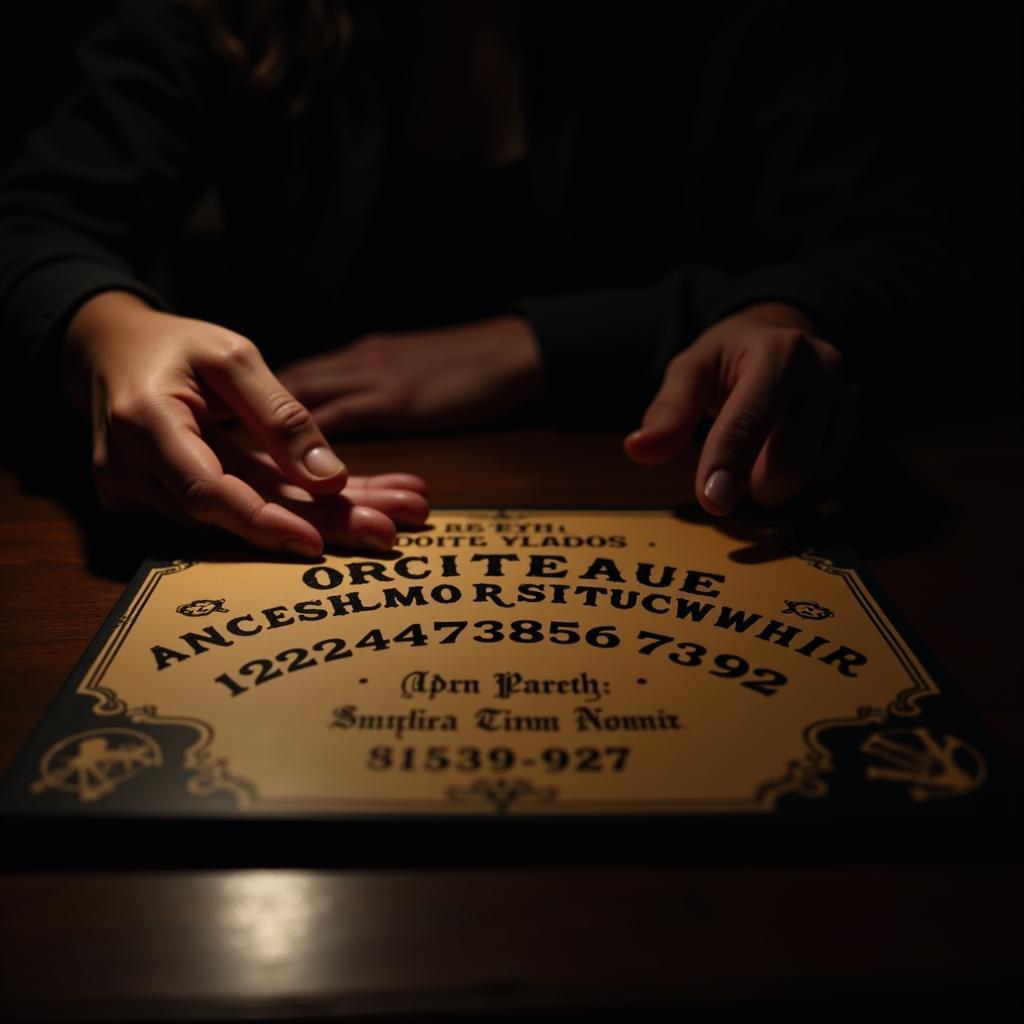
(397, 481)
(260, 469)
(349, 519)
(741, 428)
(404, 508)
(314, 388)
(345, 524)
(196, 481)
(364, 411)
(789, 461)
(330, 513)
(283, 424)
(672, 416)
(334, 362)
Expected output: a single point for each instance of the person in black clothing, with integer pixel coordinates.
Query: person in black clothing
(439, 213)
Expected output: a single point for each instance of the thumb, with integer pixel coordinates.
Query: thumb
(242, 380)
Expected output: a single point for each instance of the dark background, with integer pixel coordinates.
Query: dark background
(946, 80)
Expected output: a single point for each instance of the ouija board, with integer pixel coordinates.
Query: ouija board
(504, 666)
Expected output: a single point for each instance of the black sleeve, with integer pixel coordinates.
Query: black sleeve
(114, 170)
(796, 196)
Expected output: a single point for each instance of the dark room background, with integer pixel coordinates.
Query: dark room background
(945, 77)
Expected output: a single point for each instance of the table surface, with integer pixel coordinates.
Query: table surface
(936, 516)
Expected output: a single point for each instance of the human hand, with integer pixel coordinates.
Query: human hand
(785, 414)
(421, 380)
(157, 386)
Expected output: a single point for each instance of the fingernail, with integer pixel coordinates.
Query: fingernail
(375, 543)
(721, 489)
(302, 548)
(321, 461)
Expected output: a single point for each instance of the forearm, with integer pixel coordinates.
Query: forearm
(110, 175)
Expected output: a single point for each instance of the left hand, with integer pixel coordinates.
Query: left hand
(421, 380)
(785, 414)
(157, 388)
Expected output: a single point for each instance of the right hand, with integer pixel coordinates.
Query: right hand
(785, 413)
(157, 386)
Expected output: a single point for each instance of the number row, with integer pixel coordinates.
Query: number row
(496, 759)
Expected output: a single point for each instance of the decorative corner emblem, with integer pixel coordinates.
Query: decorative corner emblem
(202, 606)
(821, 563)
(931, 767)
(808, 610)
(93, 764)
(501, 793)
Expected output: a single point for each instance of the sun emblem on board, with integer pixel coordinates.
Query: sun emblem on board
(931, 767)
(808, 610)
(202, 606)
(94, 764)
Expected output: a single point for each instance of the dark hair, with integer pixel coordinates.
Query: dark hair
(281, 46)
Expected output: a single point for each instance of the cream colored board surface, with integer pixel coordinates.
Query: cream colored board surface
(524, 661)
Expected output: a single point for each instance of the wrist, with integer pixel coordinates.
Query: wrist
(515, 343)
(90, 329)
(101, 313)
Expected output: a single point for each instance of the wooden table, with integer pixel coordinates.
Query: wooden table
(944, 540)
